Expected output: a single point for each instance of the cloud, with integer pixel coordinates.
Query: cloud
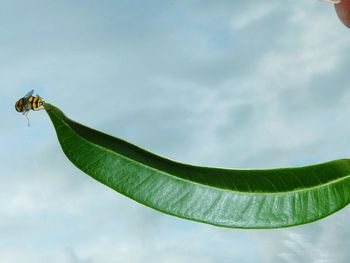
(324, 241)
(223, 84)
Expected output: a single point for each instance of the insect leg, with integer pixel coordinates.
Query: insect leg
(25, 114)
(41, 108)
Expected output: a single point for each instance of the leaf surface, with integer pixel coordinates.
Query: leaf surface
(264, 198)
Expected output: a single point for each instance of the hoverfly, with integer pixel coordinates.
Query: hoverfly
(29, 102)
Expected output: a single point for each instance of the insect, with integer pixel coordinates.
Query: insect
(29, 102)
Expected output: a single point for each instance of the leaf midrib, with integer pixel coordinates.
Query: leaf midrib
(174, 177)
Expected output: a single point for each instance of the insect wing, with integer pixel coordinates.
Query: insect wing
(26, 104)
(30, 93)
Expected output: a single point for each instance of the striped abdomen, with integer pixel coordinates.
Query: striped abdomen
(35, 102)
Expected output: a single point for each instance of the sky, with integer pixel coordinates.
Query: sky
(250, 84)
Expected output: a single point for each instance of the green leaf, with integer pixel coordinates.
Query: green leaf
(266, 198)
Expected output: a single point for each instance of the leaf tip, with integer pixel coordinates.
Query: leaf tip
(47, 106)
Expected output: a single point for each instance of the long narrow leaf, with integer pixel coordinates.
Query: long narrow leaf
(266, 198)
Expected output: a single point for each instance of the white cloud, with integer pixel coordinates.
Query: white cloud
(320, 242)
(251, 15)
(224, 83)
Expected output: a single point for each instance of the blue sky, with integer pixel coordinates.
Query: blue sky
(221, 83)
